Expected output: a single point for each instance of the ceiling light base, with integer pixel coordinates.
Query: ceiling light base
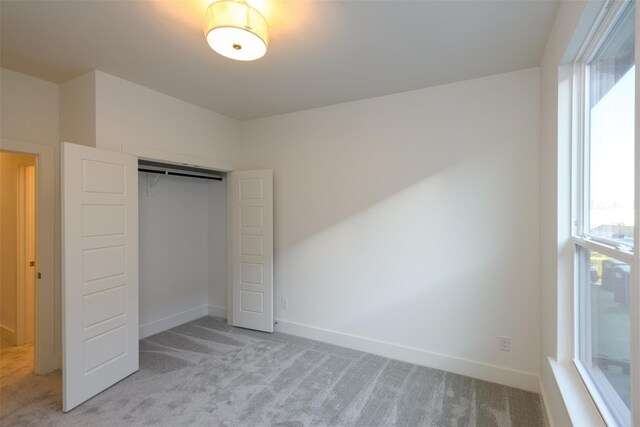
(236, 30)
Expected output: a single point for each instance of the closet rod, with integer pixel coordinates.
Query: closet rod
(213, 178)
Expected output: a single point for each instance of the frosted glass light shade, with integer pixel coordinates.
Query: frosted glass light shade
(236, 30)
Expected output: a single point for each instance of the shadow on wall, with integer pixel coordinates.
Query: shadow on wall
(412, 218)
(342, 162)
(438, 260)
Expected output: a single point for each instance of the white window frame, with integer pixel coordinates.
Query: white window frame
(610, 13)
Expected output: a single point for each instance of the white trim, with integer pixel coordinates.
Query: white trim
(21, 321)
(229, 258)
(510, 377)
(610, 12)
(604, 249)
(579, 403)
(544, 401)
(635, 275)
(565, 208)
(22, 258)
(176, 158)
(8, 334)
(217, 311)
(602, 392)
(172, 321)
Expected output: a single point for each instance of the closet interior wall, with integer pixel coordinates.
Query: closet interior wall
(182, 238)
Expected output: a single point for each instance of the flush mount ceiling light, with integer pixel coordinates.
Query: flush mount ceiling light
(236, 30)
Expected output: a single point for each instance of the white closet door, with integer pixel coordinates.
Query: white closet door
(251, 249)
(100, 271)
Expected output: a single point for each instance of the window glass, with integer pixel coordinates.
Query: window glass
(605, 328)
(611, 135)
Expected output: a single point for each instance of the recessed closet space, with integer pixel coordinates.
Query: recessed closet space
(182, 247)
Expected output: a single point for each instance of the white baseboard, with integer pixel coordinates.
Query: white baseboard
(510, 377)
(548, 419)
(158, 326)
(8, 334)
(218, 311)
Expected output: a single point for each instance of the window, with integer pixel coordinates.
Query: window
(605, 216)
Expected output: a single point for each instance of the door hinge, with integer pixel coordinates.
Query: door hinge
(39, 275)
(32, 263)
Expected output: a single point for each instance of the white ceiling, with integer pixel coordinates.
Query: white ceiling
(320, 53)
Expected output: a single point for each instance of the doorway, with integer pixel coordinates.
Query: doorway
(46, 349)
(18, 244)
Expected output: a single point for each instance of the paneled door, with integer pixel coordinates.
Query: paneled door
(250, 237)
(100, 271)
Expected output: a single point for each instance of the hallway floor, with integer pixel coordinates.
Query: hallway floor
(5, 344)
(19, 386)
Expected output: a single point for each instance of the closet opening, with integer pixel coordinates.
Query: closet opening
(182, 214)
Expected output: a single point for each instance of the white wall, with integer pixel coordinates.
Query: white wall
(174, 250)
(412, 219)
(78, 110)
(29, 108)
(29, 111)
(217, 260)
(129, 114)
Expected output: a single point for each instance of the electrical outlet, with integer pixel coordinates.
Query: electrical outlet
(284, 303)
(504, 343)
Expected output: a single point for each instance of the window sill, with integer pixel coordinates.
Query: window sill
(582, 411)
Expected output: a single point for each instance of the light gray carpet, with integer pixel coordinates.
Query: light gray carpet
(208, 373)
